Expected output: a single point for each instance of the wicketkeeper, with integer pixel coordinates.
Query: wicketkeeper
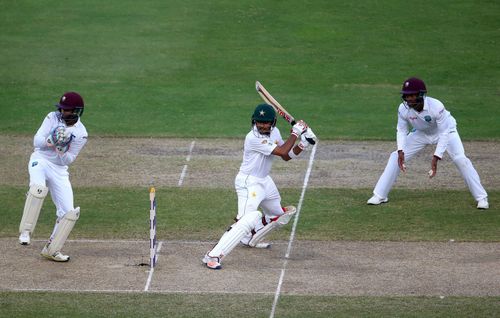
(57, 143)
(255, 187)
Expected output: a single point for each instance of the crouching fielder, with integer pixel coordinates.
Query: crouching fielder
(57, 143)
(254, 186)
(431, 124)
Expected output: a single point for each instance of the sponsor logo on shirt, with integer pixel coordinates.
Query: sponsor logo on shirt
(413, 118)
(427, 118)
(34, 163)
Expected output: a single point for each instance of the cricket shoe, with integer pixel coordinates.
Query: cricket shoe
(57, 256)
(376, 200)
(290, 209)
(246, 240)
(24, 238)
(263, 245)
(483, 204)
(212, 262)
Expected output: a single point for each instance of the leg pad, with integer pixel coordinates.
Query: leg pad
(32, 207)
(62, 231)
(279, 222)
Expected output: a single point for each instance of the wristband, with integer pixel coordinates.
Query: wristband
(292, 154)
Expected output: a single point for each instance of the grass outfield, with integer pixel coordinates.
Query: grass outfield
(327, 214)
(187, 69)
(197, 306)
(160, 68)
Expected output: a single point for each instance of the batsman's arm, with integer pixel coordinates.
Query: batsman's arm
(269, 99)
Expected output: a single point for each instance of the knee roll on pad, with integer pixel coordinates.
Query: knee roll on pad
(281, 221)
(233, 236)
(248, 221)
(64, 227)
(34, 201)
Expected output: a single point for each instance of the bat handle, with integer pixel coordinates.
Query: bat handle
(311, 141)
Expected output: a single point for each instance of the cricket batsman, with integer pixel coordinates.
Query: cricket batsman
(254, 186)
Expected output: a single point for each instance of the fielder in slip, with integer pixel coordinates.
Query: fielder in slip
(57, 143)
(431, 123)
(254, 186)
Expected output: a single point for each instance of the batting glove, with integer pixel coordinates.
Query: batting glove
(303, 144)
(299, 128)
(309, 134)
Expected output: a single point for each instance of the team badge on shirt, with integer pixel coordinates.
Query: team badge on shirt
(264, 141)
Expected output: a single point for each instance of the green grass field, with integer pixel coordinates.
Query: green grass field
(150, 68)
(187, 69)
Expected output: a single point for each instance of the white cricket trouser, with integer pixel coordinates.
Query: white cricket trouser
(256, 192)
(415, 142)
(56, 178)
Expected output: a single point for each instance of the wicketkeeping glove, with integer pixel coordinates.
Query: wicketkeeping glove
(60, 139)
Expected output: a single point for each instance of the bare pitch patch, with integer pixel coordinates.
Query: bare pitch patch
(321, 268)
(315, 268)
(215, 162)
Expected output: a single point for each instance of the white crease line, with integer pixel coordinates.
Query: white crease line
(184, 169)
(152, 270)
(292, 235)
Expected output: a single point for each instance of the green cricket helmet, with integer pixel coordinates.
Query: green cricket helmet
(264, 113)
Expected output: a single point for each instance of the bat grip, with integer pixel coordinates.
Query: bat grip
(311, 141)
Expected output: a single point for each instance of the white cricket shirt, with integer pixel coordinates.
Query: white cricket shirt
(42, 151)
(257, 157)
(434, 120)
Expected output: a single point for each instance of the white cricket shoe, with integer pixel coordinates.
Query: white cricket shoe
(376, 200)
(483, 204)
(57, 256)
(290, 209)
(212, 262)
(263, 245)
(246, 240)
(24, 238)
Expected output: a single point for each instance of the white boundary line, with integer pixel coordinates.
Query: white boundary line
(292, 235)
(184, 169)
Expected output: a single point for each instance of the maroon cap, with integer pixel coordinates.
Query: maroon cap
(413, 85)
(70, 100)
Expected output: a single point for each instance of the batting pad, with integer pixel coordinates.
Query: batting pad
(233, 236)
(64, 227)
(32, 207)
(281, 221)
